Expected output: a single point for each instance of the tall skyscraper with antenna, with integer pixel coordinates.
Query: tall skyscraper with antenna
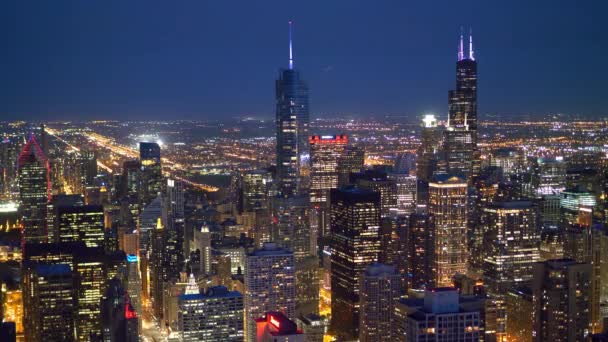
(460, 143)
(292, 122)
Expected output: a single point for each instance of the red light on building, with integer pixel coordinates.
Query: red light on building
(129, 312)
(275, 323)
(328, 139)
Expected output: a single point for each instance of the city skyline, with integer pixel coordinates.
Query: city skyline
(109, 61)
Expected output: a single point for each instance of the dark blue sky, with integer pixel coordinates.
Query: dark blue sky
(212, 59)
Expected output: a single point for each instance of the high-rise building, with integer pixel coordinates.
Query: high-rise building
(377, 180)
(426, 163)
(460, 140)
(9, 152)
(291, 226)
(352, 162)
(255, 190)
(118, 317)
(518, 301)
(34, 190)
(561, 301)
(79, 223)
(379, 293)
(151, 171)
(512, 237)
(134, 286)
(269, 285)
(326, 152)
(406, 192)
(202, 243)
(50, 312)
(292, 120)
(421, 251)
(443, 315)
(216, 315)
(355, 243)
(448, 204)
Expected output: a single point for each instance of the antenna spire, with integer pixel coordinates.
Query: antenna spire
(290, 45)
(471, 55)
(461, 46)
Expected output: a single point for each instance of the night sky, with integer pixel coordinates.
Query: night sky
(202, 59)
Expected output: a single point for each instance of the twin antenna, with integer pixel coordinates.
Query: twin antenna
(461, 46)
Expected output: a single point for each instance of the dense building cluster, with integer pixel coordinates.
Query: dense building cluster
(451, 230)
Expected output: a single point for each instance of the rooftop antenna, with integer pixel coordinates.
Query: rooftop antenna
(461, 46)
(290, 45)
(471, 55)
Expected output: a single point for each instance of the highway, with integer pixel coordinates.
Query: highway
(170, 168)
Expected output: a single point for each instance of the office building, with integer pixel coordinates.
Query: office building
(216, 315)
(34, 191)
(326, 152)
(80, 223)
(313, 326)
(355, 243)
(352, 162)
(379, 293)
(150, 172)
(406, 185)
(255, 190)
(269, 285)
(421, 251)
(119, 319)
(518, 301)
(561, 301)
(512, 237)
(448, 205)
(292, 120)
(442, 315)
(377, 180)
(50, 309)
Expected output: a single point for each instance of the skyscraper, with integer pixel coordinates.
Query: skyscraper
(269, 285)
(34, 190)
(561, 299)
(355, 243)
(460, 141)
(119, 320)
(80, 223)
(216, 315)
(292, 120)
(512, 237)
(151, 171)
(448, 204)
(421, 251)
(380, 291)
(49, 315)
(426, 161)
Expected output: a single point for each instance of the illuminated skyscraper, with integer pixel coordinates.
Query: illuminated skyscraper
(292, 120)
(50, 312)
(378, 181)
(512, 238)
(34, 189)
(561, 298)
(255, 190)
(80, 223)
(216, 315)
(460, 140)
(119, 320)
(355, 243)
(352, 162)
(406, 192)
(134, 286)
(421, 251)
(9, 152)
(151, 171)
(326, 153)
(380, 291)
(269, 285)
(426, 161)
(448, 204)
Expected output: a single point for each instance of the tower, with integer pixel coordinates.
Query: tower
(355, 243)
(380, 291)
(292, 120)
(460, 137)
(34, 190)
(448, 204)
